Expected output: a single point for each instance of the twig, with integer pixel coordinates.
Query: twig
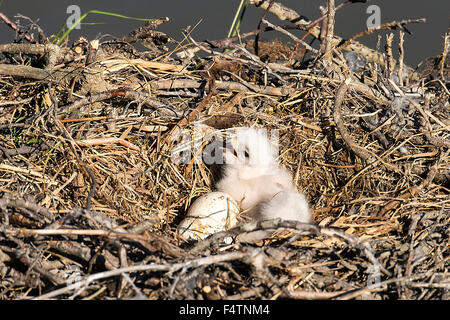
(150, 267)
(13, 26)
(285, 13)
(425, 122)
(109, 140)
(389, 25)
(256, 42)
(413, 191)
(220, 85)
(256, 231)
(21, 254)
(281, 11)
(43, 272)
(290, 35)
(175, 132)
(8, 103)
(52, 53)
(246, 294)
(390, 65)
(32, 72)
(339, 6)
(400, 59)
(111, 94)
(85, 168)
(139, 294)
(323, 30)
(23, 150)
(361, 152)
(337, 116)
(444, 56)
(21, 203)
(311, 295)
(93, 187)
(71, 248)
(328, 54)
(75, 232)
(227, 43)
(411, 233)
(355, 293)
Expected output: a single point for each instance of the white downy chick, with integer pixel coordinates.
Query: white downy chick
(286, 205)
(251, 174)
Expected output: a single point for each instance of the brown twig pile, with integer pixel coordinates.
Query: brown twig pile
(90, 196)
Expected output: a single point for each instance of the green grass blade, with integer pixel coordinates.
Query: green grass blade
(237, 23)
(118, 15)
(72, 27)
(91, 23)
(241, 18)
(96, 12)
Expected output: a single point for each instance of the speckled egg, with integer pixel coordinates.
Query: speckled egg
(210, 213)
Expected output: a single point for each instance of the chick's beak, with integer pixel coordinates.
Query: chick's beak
(230, 155)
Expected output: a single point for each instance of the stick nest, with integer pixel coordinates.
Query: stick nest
(90, 196)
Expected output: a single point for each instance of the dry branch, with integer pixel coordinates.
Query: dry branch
(148, 268)
(331, 10)
(220, 85)
(13, 26)
(31, 72)
(284, 13)
(390, 25)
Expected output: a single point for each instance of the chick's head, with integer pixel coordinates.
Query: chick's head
(251, 153)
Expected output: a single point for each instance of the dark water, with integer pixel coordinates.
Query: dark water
(215, 18)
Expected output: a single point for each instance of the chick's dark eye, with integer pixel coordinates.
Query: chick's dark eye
(246, 154)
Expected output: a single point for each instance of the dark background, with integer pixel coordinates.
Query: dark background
(216, 17)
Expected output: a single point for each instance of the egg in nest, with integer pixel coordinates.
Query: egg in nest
(210, 213)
